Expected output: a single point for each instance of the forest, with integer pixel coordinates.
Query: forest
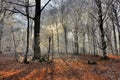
(59, 39)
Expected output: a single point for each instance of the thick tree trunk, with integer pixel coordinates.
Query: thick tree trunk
(104, 46)
(37, 51)
(103, 39)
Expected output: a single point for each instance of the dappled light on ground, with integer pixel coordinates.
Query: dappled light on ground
(9, 73)
(62, 69)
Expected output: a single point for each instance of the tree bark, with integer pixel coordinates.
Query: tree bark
(115, 39)
(104, 46)
(37, 51)
(65, 36)
(27, 46)
(84, 51)
(76, 51)
(49, 41)
(117, 23)
(58, 41)
(1, 26)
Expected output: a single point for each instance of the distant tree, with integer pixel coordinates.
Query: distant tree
(114, 16)
(63, 21)
(76, 15)
(2, 14)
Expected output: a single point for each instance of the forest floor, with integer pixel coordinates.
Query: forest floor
(72, 68)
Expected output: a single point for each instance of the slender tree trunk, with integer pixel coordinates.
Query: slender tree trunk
(76, 51)
(119, 39)
(65, 36)
(37, 51)
(64, 25)
(88, 34)
(27, 46)
(52, 44)
(118, 25)
(115, 40)
(1, 27)
(49, 48)
(113, 26)
(58, 38)
(14, 43)
(94, 48)
(84, 43)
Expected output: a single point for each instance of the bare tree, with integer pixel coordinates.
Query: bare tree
(64, 22)
(115, 10)
(2, 14)
(100, 19)
(27, 47)
(36, 19)
(38, 11)
(114, 28)
(76, 14)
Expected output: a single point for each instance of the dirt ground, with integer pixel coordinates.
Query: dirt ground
(74, 68)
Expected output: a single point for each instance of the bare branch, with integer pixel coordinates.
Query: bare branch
(45, 5)
(107, 9)
(15, 3)
(105, 19)
(19, 4)
(94, 17)
(18, 11)
(23, 13)
(11, 10)
(31, 5)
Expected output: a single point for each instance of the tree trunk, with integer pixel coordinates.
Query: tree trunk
(118, 25)
(58, 41)
(65, 36)
(84, 43)
(1, 27)
(52, 44)
(14, 43)
(49, 48)
(37, 51)
(76, 51)
(94, 47)
(27, 46)
(104, 46)
(115, 40)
